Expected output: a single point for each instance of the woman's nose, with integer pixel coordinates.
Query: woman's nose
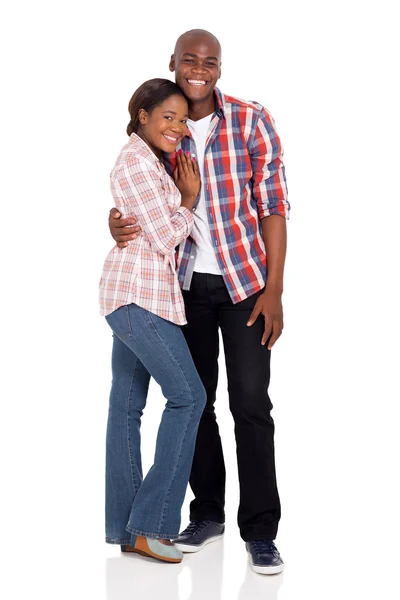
(177, 128)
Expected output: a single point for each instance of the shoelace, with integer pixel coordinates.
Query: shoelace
(264, 546)
(195, 526)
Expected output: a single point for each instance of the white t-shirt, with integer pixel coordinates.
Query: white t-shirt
(206, 261)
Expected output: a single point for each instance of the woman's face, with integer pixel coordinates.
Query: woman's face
(164, 127)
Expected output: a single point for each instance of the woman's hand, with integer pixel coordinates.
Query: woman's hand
(187, 179)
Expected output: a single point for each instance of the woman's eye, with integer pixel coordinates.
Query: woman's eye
(167, 117)
(184, 122)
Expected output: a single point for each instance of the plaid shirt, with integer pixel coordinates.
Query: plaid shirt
(144, 272)
(244, 180)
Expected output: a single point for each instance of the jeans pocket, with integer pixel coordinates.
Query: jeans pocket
(120, 322)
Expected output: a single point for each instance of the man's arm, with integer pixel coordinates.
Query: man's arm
(122, 230)
(270, 192)
(269, 304)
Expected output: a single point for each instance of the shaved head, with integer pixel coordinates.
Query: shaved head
(196, 34)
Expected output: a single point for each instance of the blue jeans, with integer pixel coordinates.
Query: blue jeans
(146, 345)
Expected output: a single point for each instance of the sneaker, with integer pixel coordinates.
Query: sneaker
(154, 549)
(265, 557)
(197, 534)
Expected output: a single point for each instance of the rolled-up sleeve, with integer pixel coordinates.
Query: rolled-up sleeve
(268, 179)
(144, 198)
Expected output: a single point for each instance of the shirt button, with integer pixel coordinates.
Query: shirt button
(192, 256)
(194, 209)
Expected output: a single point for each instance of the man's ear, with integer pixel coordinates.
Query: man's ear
(172, 63)
(142, 114)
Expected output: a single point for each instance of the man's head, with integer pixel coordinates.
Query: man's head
(197, 64)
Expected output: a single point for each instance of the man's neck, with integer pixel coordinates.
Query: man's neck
(199, 110)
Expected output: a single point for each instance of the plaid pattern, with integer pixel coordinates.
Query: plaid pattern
(144, 272)
(244, 180)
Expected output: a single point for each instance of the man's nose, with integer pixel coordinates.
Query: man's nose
(199, 69)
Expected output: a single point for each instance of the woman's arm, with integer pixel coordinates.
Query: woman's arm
(144, 197)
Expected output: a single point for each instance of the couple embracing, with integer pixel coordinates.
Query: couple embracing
(200, 225)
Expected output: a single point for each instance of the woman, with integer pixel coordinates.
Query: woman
(142, 302)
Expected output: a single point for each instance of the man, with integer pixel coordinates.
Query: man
(222, 268)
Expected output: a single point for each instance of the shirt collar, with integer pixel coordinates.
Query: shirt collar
(143, 149)
(219, 107)
(219, 103)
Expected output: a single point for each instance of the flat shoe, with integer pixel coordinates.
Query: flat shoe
(154, 549)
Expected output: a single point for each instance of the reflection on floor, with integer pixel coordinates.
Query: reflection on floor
(212, 574)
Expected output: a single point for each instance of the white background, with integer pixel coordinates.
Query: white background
(328, 72)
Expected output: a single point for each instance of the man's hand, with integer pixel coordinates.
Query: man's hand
(122, 230)
(269, 304)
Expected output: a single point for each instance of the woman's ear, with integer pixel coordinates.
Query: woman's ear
(143, 116)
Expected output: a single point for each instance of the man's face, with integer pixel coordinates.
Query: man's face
(197, 66)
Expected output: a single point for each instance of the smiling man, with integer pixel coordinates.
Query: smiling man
(231, 272)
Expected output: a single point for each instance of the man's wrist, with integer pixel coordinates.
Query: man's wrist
(274, 287)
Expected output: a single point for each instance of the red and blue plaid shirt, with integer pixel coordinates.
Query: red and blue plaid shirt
(244, 181)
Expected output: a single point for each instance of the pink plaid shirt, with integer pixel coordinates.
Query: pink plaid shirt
(144, 272)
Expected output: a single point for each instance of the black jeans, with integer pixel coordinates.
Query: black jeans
(208, 308)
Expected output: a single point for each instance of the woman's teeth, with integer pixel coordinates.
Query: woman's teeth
(170, 138)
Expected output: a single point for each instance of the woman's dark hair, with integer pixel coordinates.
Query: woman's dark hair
(150, 94)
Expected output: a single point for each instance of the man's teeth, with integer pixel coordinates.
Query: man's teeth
(196, 82)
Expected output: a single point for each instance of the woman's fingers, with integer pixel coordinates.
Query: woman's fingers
(185, 163)
(195, 166)
(179, 162)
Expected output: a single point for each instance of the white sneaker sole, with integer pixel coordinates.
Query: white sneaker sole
(267, 570)
(189, 548)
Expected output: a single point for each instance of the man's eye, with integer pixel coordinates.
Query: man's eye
(188, 60)
(211, 64)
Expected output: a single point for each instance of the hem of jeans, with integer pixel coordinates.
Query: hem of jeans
(155, 536)
(255, 537)
(118, 541)
(211, 518)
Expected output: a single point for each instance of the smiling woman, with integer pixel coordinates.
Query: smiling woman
(142, 302)
(159, 112)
